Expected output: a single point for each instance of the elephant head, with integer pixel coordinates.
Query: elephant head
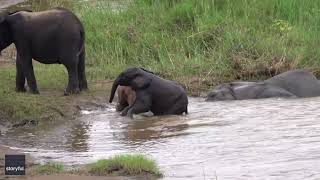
(5, 34)
(222, 92)
(136, 78)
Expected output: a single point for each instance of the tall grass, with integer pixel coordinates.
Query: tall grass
(225, 39)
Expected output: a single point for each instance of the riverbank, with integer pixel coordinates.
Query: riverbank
(113, 168)
(198, 45)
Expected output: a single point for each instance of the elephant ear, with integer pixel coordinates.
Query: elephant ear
(232, 93)
(140, 82)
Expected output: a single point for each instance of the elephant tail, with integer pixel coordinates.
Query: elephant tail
(186, 110)
(82, 36)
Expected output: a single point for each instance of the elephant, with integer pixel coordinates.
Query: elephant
(160, 96)
(290, 84)
(54, 36)
(126, 98)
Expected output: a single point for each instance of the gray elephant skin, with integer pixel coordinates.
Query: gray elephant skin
(160, 96)
(54, 36)
(290, 84)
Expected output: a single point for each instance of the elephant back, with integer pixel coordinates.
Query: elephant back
(301, 83)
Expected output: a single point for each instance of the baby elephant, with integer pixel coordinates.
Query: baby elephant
(294, 84)
(126, 98)
(248, 90)
(160, 96)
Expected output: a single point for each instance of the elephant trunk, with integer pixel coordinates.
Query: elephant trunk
(114, 88)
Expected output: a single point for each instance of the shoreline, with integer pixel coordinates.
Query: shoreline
(78, 172)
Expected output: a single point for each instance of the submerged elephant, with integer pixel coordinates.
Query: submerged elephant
(295, 83)
(160, 96)
(126, 98)
(54, 36)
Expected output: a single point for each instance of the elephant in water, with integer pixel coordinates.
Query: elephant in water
(160, 96)
(295, 83)
(126, 98)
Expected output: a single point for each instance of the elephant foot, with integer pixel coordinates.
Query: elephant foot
(120, 107)
(83, 87)
(34, 91)
(123, 113)
(22, 90)
(69, 92)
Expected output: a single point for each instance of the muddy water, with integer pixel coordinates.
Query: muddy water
(254, 139)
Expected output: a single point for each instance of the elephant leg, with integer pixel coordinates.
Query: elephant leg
(83, 85)
(73, 82)
(178, 109)
(142, 104)
(130, 102)
(122, 99)
(124, 112)
(27, 68)
(20, 78)
(120, 106)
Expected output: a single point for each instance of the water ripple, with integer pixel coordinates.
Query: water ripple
(251, 139)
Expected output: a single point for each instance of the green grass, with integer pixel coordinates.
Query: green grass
(199, 43)
(125, 165)
(221, 38)
(120, 165)
(47, 169)
(25, 105)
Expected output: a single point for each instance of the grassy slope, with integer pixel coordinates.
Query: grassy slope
(196, 42)
(125, 165)
(225, 39)
(121, 165)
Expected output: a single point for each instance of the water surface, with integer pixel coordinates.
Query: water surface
(252, 139)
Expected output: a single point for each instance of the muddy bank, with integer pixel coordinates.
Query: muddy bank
(67, 109)
(31, 174)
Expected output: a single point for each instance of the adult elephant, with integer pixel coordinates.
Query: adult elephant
(160, 96)
(295, 83)
(50, 37)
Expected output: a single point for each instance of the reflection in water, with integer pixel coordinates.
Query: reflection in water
(78, 137)
(253, 139)
(151, 129)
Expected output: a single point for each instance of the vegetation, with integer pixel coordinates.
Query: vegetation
(198, 43)
(25, 105)
(50, 168)
(212, 40)
(125, 165)
(120, 165)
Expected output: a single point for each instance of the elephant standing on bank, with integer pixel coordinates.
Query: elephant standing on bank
(160, 96)
(295, 83)
(54, 36)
